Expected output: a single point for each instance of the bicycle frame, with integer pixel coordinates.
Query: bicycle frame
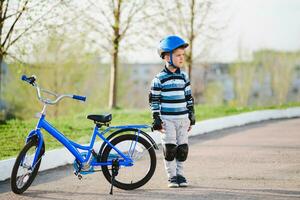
(73, 147)
(120, 148)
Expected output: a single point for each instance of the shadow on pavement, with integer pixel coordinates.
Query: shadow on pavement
(43, 177)
(192, 192)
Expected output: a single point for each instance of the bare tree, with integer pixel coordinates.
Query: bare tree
(17, 20)
(280, 67)
(112, 24)
(243, 74)
(192, 20)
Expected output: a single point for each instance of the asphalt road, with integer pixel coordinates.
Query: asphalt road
(259, 161)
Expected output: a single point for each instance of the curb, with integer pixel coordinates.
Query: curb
(60, 157)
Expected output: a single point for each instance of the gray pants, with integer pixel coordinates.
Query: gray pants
(176, 133)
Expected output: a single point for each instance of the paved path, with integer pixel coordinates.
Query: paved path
(260, 161)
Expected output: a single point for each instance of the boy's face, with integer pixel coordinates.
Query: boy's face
(177, 57)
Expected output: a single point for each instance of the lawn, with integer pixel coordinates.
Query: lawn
(79, 129)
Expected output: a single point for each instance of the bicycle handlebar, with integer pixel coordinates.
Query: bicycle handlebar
(32, 80)
(81, 98)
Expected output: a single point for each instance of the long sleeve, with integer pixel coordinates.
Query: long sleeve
(188, 93)
(155, 95)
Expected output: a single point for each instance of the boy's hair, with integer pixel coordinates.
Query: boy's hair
(164, 54)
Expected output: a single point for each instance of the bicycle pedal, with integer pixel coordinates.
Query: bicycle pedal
(79, 176)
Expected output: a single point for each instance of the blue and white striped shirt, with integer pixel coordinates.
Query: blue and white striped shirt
(171, 94)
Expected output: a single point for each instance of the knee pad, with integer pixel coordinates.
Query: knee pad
(170, 151)
(182, 152)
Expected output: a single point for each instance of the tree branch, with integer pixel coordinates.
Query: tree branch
(132, 12)
(33, 24)
(181, 19)
(102, 13)
(13, 25)
(203, 18)
(5, 11)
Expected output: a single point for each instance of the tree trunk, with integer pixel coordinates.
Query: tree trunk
(56, 108)
(115, 58)
(1, 75)
(113, 80)
(189, 61)
(1, 48)
(191, 39)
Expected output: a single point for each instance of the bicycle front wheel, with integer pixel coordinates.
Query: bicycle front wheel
(24, 172)
(144, 161)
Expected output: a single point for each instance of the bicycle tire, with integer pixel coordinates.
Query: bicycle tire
(14, 174)
(120, 132)
(152, 159)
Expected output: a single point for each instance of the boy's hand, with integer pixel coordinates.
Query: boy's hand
(162, 130)
(157, 123)
(192, 117)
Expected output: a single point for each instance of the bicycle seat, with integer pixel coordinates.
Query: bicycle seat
(100, 118)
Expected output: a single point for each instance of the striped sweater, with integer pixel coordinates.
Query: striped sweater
(170, 94)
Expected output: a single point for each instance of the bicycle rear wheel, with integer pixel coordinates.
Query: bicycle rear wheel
(144, 161)
(23, 172)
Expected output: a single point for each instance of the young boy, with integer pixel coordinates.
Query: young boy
(172, 107)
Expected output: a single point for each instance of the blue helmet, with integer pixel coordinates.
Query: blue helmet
(169, 44)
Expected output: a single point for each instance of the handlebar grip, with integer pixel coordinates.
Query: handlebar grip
(81, 98)
(24, 78)
(30, 80)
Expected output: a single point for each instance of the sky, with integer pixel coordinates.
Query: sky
(253, 25)
(273, 24)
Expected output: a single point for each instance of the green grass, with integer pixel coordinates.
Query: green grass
(79, 129)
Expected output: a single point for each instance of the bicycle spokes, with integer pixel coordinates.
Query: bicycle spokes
(25, 169)
(22, 180)
(26, 164)
(143, 163)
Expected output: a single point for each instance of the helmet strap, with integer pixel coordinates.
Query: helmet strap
(171, 60)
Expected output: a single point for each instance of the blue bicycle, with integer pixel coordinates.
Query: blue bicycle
(126, 156)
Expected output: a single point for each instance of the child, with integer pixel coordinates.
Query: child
(172, 107)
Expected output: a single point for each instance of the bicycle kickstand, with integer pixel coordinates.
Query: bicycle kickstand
(114, 172)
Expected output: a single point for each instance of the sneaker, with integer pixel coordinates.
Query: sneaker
(173, 182)
(181, 181)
